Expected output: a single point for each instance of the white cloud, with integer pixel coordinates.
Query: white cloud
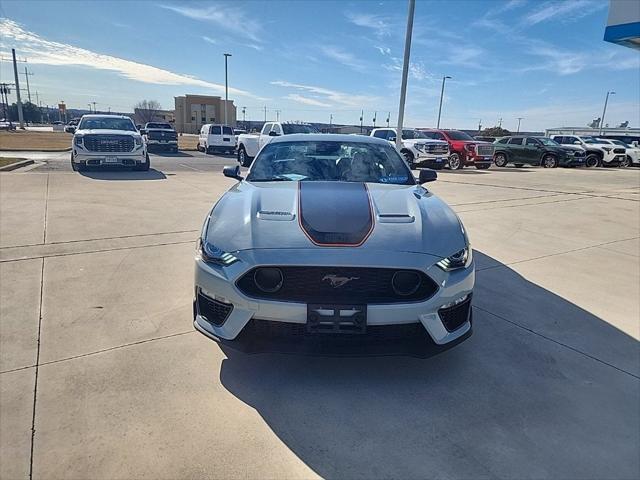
(41, 51)
(565, 11)
(306, 100)
(230, 18)
(377, 23)
(342, 56)
(209, 40)
(334, 96)
(383, 50)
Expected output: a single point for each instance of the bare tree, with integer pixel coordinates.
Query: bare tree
(147, 110)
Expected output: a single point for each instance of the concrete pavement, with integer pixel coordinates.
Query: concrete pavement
(102, 375)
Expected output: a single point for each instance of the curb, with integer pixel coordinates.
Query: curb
(13, 166)
(32, 150)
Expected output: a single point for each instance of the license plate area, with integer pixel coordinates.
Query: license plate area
(337, 319)
(111, 160)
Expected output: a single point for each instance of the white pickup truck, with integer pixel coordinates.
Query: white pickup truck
(417, 149)
(249, 144)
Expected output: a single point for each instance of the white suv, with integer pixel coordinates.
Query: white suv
(108, 140)
(417, 149)
(633, 153)
(599, 154)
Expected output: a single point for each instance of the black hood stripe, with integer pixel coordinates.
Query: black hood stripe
(337, 214)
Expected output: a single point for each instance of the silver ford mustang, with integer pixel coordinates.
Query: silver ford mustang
(330, 246)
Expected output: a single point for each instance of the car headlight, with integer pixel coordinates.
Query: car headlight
(607, 149)
(138, 141)
(461, 259)
(212, 254)
(470, 147)
(420, 147)
(77, 140)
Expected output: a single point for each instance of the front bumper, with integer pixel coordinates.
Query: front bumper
(431, 161)
(136, 157)
(162, 145)
(244, 325)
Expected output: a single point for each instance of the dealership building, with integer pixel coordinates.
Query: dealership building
(623, 25)
(193, 111)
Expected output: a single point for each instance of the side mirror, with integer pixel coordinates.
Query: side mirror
(139, 127)
(142, 131)
(427, 176)
(392, 139)
(273, 134)
(577, 143)
(71, 129)
(232, 172)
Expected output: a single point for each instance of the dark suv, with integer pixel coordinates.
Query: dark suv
(535, 151)
(160, 136)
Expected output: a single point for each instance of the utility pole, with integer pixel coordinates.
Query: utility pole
(500, 122)
(361, 117)
(388, 117)
(265, 114)
(94, 107)
(441, 96)
(405, 71)
(19, 102)
(226, 86)
(89, 108)
(27, 74)
(375, 116)
(330, 121)
(278, 115)
(479, 125)
(38, 99)
(4, 91)
(519, 120)
(604, 111)
(244, 113)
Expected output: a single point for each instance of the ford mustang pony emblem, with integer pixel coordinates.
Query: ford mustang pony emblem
(337, 281)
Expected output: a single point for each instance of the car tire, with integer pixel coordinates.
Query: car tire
(455, 162)
(408, 157)
(483, 166)
(549, 161)
(243, 158)
(143, 167)
(626, 162)
(74, 166)
(500, 159)
(591, 161)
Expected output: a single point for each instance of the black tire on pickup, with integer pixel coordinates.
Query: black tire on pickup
(243, 158)
(549, 161)
(143, 167)
(592, 160)
(626, 162)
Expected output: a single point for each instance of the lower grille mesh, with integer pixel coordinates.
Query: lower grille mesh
(454, 317)
(213, 311)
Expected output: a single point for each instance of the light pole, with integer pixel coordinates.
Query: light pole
(89, 108)
(405, 71)
(604, 111)
(519, 120)
(441, 96)
(226, 87)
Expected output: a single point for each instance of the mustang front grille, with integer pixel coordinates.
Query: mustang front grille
(484, 150)
(108, 143)
(347, 285)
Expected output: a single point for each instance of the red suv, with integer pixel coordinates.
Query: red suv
(465, 150)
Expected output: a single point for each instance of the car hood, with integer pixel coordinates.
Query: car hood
(105, 131)
(424, 141)
(571, 147)
(404, 218)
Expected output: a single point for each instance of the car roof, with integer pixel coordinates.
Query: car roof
(328, 137)
(103, 115)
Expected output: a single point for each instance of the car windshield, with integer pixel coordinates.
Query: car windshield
(547, 141)
(457, 135)
(107, 123)
(412, 135)
(290, 128)
(330, 160)
(619, 142)
(591, 140)
(159, 125)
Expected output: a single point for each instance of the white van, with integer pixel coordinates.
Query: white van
(216, 137)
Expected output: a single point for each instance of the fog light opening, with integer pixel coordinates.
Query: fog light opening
(269, 280)
(405, 283)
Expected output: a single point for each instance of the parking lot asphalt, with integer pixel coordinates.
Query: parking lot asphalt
(103, 376)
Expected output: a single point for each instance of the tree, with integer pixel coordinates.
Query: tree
(495, 132)
(30, 112)
(146, 110)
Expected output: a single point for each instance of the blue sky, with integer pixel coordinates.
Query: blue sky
(541, 60)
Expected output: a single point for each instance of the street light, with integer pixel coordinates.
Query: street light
(519, 120)
(441, 95)
(226, 87)
(405, 72)
(604, 111)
